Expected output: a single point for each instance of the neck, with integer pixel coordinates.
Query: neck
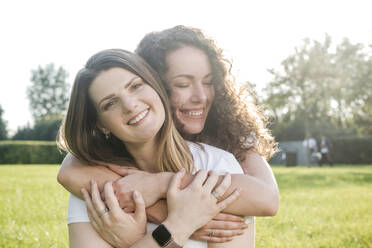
(145, 155)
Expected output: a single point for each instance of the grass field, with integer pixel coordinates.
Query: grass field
(319, 207)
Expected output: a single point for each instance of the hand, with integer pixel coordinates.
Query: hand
(144, 182)
(224, 228)
(192, 207)
(115, 226)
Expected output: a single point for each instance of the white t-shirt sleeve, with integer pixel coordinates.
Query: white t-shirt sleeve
(77, 210)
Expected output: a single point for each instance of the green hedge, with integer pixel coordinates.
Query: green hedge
(352, 150)
(30, 152)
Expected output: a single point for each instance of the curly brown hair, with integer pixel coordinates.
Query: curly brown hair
(233, 124)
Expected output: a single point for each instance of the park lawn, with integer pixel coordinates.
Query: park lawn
(319, 207)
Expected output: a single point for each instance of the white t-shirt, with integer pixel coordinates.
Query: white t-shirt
(209, 158)
(309, 143)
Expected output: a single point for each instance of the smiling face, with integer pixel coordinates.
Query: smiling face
(192, 91)
(126, 106)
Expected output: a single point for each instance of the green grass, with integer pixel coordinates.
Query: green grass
(32, 207)
(319, 207)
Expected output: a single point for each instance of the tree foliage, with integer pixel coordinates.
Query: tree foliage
(44, 129)
(321, 89)
(48, 94)
(3, 129)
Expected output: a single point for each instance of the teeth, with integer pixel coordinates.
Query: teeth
(139, 117)
(195, 113)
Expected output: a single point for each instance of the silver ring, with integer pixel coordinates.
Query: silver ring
(102, 212)
(211, 234)
(216, 195)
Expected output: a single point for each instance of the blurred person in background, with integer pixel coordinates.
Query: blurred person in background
(325, 147)
(311, 149)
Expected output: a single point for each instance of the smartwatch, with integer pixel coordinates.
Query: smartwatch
(164, 238)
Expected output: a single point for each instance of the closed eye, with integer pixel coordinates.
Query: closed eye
(181, 85)
(209, 83)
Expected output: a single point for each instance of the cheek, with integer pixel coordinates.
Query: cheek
(211, 93)
(176, 99)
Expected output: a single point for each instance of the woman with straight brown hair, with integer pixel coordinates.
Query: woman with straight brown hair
(119, 112)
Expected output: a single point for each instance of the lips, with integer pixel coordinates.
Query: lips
(139, 117)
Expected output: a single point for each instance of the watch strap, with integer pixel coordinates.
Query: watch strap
(172, 244)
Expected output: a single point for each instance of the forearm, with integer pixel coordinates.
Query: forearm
(268, 200)
(75, 175)
(257, 198)
(82, 235)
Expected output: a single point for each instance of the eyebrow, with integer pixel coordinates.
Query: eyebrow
(190, 76)
(112, 95)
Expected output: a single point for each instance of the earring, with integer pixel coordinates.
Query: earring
(107, 135)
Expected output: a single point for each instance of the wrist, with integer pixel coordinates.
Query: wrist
(163, 180)
(179, 231)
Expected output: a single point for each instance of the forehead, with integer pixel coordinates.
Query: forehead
(108, 82)
(188, 60)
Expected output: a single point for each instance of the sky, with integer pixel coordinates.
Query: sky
(255, 35)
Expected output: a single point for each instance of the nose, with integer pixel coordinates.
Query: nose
(129, 103)
(199, 93)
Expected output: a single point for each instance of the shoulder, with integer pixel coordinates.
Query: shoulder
(208, 150)
(212, 158)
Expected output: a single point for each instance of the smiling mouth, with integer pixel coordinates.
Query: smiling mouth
(139, 117)
(195, 114)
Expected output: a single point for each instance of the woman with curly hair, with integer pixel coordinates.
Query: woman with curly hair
(206, 108)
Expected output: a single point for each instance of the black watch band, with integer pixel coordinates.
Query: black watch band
(164, 238)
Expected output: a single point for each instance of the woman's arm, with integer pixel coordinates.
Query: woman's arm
(256, 166)
(184, 216)
(82, 234)
(75, 175)
(259, 196)
(254, 199)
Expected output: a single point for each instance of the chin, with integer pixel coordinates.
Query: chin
(193, 129)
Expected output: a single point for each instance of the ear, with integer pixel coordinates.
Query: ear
(102, 128)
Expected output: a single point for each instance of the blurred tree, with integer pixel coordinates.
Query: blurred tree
(352, 88)
(24, 133)
(319, 88)
(3, 130)
(300, 91)
(44, 129)
(48, 94)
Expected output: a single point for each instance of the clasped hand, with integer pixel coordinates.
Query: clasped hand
(224, 226)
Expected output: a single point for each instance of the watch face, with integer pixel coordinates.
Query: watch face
(161, 235)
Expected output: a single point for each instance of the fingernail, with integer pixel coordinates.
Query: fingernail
(135, 194)
(82, 190)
